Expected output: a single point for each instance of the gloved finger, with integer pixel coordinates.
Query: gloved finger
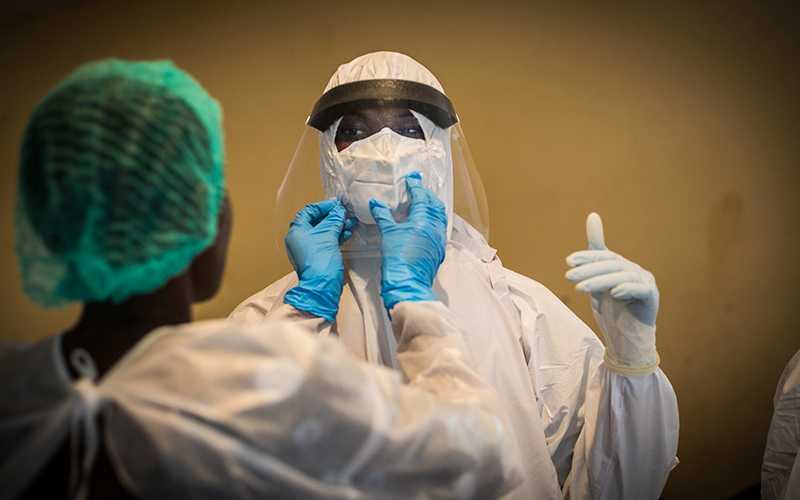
(416, 192)
(382, 214)
(632, 291)
(350, 223)
(594, 232)
(593, 269)
(606, 282)
(334, 220)
(424, 202)
(311, 214)
(582, 257)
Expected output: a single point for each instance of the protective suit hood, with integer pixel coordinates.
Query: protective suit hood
(383, 65)
(319, 171)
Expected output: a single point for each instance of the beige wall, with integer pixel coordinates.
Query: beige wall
(680, 126)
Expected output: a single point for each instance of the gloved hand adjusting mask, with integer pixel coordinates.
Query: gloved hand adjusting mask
(375, 167)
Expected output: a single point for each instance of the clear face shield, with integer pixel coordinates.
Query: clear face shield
(362, 139)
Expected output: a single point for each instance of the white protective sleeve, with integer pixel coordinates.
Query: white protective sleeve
(610, 435)
(218, 410)
(780, 472)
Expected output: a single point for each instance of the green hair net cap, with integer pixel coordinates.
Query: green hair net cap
(120, 183)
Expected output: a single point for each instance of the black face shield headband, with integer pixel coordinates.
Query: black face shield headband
(350, 97)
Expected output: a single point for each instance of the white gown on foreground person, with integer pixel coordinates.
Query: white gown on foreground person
(214, 411)
(582, 429)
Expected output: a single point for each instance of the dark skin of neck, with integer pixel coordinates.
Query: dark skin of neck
(107, 331)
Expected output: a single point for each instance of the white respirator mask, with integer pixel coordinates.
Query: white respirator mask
(375, 168)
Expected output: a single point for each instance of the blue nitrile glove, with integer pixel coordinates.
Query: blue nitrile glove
(313, 247)
(624, 301)
(411, 251)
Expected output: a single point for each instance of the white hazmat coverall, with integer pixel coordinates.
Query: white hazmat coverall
(780, 473)
(214, 410)
(582, 429)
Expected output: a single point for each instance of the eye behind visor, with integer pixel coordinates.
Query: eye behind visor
(353, 129)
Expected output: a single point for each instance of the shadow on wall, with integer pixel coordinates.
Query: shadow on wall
(724, 232)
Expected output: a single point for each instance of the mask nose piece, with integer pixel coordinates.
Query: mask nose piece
(387, 142)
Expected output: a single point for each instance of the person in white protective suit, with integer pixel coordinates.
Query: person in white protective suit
(134, 401)
(780, 472)
(589, 421)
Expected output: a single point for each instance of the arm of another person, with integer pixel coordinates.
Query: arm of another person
(439, 432)
(249, 411)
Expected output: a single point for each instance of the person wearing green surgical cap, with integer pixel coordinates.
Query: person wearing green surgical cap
(121, 201)
(122, 207)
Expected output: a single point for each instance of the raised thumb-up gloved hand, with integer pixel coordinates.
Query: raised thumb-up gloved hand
(624, 302)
